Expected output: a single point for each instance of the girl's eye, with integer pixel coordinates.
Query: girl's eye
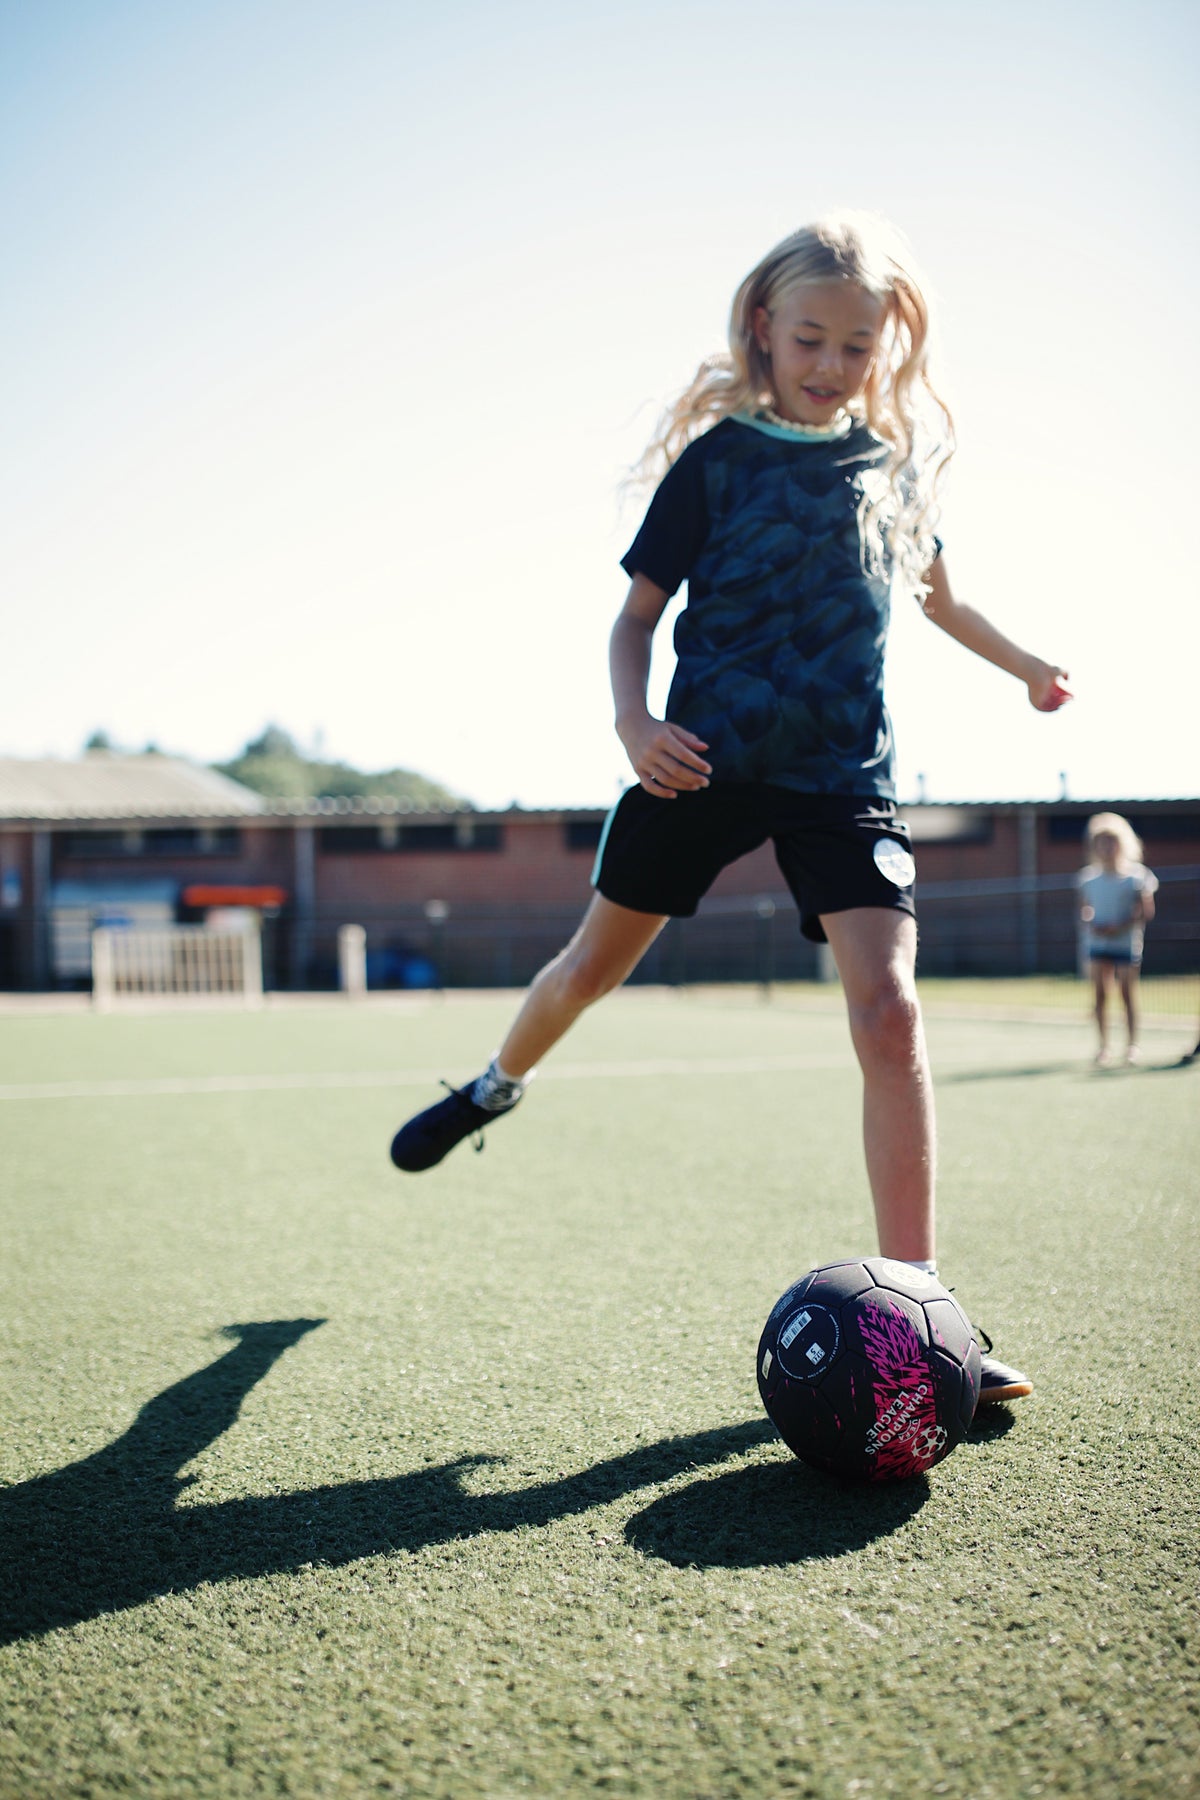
(809, 343)
(855, 350)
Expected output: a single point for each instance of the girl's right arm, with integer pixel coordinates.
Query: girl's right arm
(666, 759)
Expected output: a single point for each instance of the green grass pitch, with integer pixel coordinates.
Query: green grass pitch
(323, 1481)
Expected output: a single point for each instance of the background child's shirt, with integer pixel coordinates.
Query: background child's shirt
(1112, 896)
(781, 644)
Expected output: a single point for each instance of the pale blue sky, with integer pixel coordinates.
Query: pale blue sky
(332, 327)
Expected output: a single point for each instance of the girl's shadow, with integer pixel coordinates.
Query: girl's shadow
(106, 1533)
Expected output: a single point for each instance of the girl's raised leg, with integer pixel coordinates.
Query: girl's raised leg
(609, 944)
(604, 952)
(876, 953)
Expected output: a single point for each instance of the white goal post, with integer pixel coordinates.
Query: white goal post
(175, 960)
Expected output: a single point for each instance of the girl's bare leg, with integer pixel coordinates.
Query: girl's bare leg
(1100, 981)
(876, 952)
(606, 949)
(1127, 981)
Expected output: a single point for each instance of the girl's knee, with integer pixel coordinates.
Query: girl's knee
(886, 1023)
(586, 976)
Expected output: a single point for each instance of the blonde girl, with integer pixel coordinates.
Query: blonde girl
(799, 487)
(1116, 902)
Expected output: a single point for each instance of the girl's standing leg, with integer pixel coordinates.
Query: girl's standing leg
(606, 949)
(876, 953)
(1127, 981)
(1101, 977)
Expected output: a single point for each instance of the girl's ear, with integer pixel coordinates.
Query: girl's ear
(761, 323)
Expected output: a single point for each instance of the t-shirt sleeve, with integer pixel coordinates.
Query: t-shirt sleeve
(675, 527)
(1147, 882)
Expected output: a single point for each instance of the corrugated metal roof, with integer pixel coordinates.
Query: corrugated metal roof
(102, 785)
(1062, 802)
(362, 806)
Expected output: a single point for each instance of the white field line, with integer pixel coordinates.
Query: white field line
(649, 1069)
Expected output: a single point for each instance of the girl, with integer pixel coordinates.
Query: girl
(1117, 901)
(800, 487)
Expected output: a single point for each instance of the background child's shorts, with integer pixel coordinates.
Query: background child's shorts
(1121, 958)
(835, 851)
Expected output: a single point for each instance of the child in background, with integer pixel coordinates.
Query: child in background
(1116, 903)
(800, 491)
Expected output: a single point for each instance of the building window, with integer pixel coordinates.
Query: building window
(583, 834)
(949, 824)
(1067, 829)
(168, 840)
(1152, 828)
(458, 835)
(1167, 828)
(349, 840)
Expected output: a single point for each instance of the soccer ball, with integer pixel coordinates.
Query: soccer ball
(869, 1368)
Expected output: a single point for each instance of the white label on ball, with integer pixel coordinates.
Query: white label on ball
(894, 862)
(788, 1336)
(766, 1364)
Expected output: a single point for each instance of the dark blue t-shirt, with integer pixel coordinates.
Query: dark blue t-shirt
(781, 643)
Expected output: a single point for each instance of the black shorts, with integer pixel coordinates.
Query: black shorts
(835, 851)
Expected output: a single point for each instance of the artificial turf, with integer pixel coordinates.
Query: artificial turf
(320, 1480)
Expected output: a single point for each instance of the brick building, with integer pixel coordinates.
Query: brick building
(483, 898)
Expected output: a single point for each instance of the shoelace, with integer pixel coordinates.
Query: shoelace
(462, 1094)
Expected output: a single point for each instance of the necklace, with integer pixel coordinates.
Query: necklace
(836, 428)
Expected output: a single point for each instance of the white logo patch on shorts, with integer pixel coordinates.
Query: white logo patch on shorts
(894, 862)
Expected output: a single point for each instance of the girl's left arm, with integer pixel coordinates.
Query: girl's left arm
(1047, 683)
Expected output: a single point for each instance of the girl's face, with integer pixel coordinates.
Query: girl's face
(819, 341)
(1107, 849)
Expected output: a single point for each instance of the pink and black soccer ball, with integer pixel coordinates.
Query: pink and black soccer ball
(869, 1369)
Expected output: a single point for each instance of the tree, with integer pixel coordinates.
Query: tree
(273, 765)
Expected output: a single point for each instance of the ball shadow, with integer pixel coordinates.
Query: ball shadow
(990, 1423)
(772, 1515)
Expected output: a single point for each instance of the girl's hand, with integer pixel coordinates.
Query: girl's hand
(1048, 688)
(666, 758)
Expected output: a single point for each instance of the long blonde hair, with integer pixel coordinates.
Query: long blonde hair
(1129, 844)
(898, 402)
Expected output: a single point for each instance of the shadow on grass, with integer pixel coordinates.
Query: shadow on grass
(773, 1514)
(1006, 1072)
(1085, 1071)
(106, 1534)
(1190, 1060)
(770, 1515)
(990, 1423)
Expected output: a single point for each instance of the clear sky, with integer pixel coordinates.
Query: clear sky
(331, 326)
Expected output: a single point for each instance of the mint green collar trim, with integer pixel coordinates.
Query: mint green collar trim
(799, 434)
